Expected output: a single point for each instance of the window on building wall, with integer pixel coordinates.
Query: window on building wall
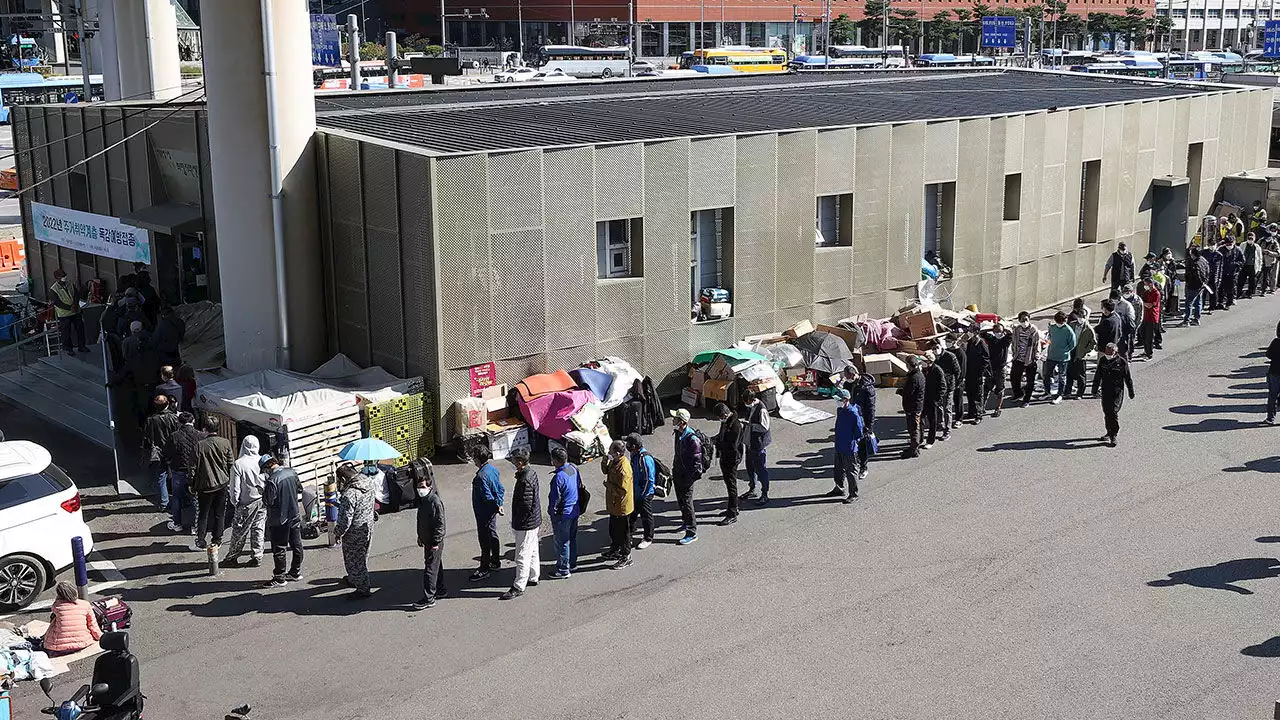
(1090, 191)
(940, 220)
(1197, 13)
(619, 248)
(755, 34)
(1013, 196)
(1195, 160)
(1215, 12)
(1248, 12)
(1179, 12)
(710, 251)
(834, 223)
(1162, 12)
(1231, 13)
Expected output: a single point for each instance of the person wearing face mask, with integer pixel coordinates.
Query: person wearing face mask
(1109, 329)
(1026, 356)
(487, 494)
(619, 500)
(526, 518)
(999, 341)
(1113, 378)
(936, 404)
(849, 429)
(978, 369)
(1084, 346)
(1127, 305)
(431, 540)
(1062, 340)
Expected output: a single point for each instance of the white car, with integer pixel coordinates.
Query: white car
(644, 68)
(39, 514)
(520, 74)
(556, 75)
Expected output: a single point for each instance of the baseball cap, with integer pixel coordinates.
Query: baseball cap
(843, 394)
(682, 415)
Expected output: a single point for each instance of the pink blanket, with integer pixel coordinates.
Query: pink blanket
(549, 414)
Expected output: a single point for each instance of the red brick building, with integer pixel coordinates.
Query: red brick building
(669, 27)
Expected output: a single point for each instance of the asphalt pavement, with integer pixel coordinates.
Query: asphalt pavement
(1020, 570)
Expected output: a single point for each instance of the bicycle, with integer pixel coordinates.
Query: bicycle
(937, 291)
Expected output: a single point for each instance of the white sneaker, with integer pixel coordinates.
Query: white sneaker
(173, 526)
(643, 544)
(926, 446)
(1057, 401)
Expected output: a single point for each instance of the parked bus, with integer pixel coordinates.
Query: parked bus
(35, 89)
(871, 57)
(736, 59)
(585, 62)
(803, 63)
(949, 60)
(1137, 68)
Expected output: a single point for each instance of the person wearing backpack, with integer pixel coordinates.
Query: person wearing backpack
(729, 442)
(758, 439)
(644, 473)
(686, 468)
(563, 508)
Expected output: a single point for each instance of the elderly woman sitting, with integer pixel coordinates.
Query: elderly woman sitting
(73, 626)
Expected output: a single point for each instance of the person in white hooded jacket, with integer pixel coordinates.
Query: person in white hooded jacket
(246, 497)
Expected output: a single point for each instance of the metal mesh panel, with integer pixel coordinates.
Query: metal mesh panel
(40, 157)
(836, 159)
(711, 178)
(1047, 281)
(73, 122)
(138, 157)
(454, 384)
(351, 292)
(666, 237)
(618, 170)
(754, 243)
(829, 313)
(117, 167)
(1127, 190)
(832, 268)
(906, 205)
(1025, 293)
(56, 131)
(33, 248)
(463, 259)
(417, 248)
(871, 209)
(1087, 272)
(520, 294)
(570, 236)
(382, 238)
(516, 369)
(872, 303)
(406, 423)
(943, 140)
(666, 354)
(515, 191)
(796, 217)
(758, 324)
(711, 336)
(572, 357)
(620, 299)
(786, 317)
(630, 349)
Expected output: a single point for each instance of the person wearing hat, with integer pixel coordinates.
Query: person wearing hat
(284, 522)
(731, 447)
(1112, 377)
(1150, 266)
(862, 389)
(1270, 254)
(686, 469)
(937, 404)
(1119, 266)
(999, 341)
(1084, 345)
(912, 393)
(957, 350)
(1169, 267)
(66, 308)
(849, 429)
(977, 371)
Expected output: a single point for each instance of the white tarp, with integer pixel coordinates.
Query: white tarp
(274, 398)
(793, 410)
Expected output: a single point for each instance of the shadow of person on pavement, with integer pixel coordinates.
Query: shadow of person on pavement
(1265, 649)
(1258, 409)
(1224, 575)
(1215, 425)
(1263, 465)
(1248, 371)
(1075, 444)
(1268, 539)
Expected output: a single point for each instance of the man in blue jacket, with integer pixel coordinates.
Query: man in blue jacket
(562, 506)
(849, 430)
(644, 473)
(686, 468)
(487, 494)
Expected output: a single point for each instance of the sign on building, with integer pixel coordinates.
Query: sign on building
(326, 41)
(98, 234)
(1271, 39)
(999, 31)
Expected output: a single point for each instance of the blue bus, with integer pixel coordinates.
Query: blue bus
(949, 60)
(26, 88)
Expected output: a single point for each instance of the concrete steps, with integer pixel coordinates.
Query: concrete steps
(67, 390)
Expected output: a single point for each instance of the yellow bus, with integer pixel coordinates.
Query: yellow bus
(743, 59)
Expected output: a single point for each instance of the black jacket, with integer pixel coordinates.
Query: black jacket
(213, 464)
(962, 362)
(431, 520)
(731, 441)
(863, 393)
(280, 498)
(912, 391)
(998, 348)
(935, 385)
(1197, 273)
(184, 449)
(157, 432)
(1113, 376)
(949, 365)
(1108, 330)
(526, 506)
(977, 359)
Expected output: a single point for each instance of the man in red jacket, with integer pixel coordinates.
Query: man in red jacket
(1150, 327)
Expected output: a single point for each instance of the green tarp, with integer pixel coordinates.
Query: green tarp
(732, 353)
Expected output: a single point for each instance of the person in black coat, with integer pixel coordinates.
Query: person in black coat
(951, 367)
(862, 389)
(1232, 262)
(1196, 278)
(957, 389)
(526, 518)
(1113, 378)
(1109, 328)
(431, 540)
(999, 341)
(912, 392)
(936, 404)
(731, 446)
(978, 370)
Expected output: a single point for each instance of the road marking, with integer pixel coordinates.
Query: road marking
(104, 569)
(107, 570)
(48, 604)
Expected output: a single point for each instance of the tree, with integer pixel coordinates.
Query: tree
(1072, 25)
(942, 32)
(964, 19)
(904, 27)
(1133, 24)
(843, 30)
(1101, 25)
(873, 18)
(1159, 29)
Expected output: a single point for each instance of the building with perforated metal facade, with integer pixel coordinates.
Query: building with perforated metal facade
(542, 227)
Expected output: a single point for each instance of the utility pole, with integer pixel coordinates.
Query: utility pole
(631, 36)
(795, 19)
(702, 18)
(520, 26)
(393, 60)
(885, 33)
(826, 41)
(353, 49)
(84, 51)
(572, 23)
(444, 31)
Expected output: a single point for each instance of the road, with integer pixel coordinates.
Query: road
(1021, 570)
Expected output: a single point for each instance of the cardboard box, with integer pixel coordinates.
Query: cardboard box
(765, 339)
(850, 337)
(920, 324)
(696, 380)
(878, 364)
(901, 364)
(719, 369)
(800, 329)
(503, 443)
(470, 416)
(690, 397)
(717, 310)
(716, 390)
(495, 391)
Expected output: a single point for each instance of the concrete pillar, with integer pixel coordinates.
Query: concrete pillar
(53, 40)
(139, 45)
(241, 168)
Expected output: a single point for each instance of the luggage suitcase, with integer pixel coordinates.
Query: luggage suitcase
(113, 613)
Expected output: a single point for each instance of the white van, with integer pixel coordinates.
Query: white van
(39, 514)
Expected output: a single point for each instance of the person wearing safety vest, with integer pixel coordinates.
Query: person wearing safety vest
(66, 307)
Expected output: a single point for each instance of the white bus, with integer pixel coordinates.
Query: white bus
(863, 56)
(585, 62)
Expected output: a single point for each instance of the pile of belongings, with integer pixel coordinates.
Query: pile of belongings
(723, 376)
(19, 662)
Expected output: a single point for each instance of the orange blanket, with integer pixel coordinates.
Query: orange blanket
(536, 385)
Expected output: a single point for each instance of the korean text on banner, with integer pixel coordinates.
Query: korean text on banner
(1271, 39)
(483, 376)
(326, 44)
(97, 234)
(999, 31)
